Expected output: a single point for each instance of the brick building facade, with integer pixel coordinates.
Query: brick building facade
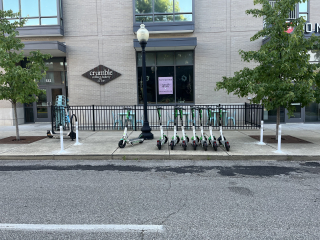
(90, 33)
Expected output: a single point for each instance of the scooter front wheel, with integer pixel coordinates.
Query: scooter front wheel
(172, 145)
(215, 146)
(122, 144)
(205, 146)
(195, 146)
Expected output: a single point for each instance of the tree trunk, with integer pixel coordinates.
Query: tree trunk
(278, 122)
(16, 120)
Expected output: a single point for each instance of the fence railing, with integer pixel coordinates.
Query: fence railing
(96, 118)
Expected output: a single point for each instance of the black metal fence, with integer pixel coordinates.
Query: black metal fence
(96, 118)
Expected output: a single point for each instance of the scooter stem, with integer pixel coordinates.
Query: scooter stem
(222, 137)
(194, 132)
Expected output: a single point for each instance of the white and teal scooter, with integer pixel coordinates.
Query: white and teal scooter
(163, 138)
(184, 138)
(195, 141)
(125, 139)
(175, 138)
(212, 139)
(222, 140)
(203, 137)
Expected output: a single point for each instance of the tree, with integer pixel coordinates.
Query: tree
(284, 74)
(17, 84)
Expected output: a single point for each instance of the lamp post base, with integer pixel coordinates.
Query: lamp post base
(146, 131)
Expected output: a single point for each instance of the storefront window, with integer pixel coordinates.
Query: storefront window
(29, 8)
(184, 84)
(312, 112)
(165, 58)
(56, 72)
(38, 12)
(271, 116)
(169, 77)
(303, 10)
(163, 10)
(48, 8)
(165, 72)
(151, 87)
(11, 4)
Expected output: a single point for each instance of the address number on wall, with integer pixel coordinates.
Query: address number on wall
(48, 80)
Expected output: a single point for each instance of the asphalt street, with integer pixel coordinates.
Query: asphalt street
(159, 199)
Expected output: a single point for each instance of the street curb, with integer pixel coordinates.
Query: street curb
(162, 157)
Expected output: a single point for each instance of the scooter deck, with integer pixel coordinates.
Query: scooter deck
(57, 135)
(134, 140)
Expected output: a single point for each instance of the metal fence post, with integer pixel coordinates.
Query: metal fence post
(135, 117)
(245, 113)
(52, 119)
(94, 127)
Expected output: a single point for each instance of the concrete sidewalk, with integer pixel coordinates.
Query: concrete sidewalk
(103, 145)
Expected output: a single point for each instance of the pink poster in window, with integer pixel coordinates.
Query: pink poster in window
(165, 85)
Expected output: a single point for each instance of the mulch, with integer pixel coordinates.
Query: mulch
(23, 139)
(284, 139)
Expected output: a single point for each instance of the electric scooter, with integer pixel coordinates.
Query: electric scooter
(71, 134)
(212, 139)
(203, 138)
(175, 139)
(163, 138)
(125, 139)
(222, 140)
(195, 139)
(184, 138)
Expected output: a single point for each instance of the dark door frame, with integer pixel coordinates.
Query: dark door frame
(295, 120)
(50, 101)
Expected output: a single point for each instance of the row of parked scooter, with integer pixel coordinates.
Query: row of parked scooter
(204, 140)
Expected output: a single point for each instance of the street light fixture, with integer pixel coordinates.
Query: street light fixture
(143, 36)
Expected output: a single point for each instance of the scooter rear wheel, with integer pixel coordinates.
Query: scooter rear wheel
(227, 146)
(195, 146)
(121, 144)
(172, 145)
(159, 146)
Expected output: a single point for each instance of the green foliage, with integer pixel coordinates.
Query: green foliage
(284, 74)
(143, 6)
(18, 84)
(160, 6)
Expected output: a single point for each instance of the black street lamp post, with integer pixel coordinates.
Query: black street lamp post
(143, 36)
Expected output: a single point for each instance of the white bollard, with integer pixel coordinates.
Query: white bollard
(61, 139)
(279, 139)
(261, 135)
(77, 135)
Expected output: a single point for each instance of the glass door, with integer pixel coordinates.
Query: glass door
(42, 107)
(298, 114)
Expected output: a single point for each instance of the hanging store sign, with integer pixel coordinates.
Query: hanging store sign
(165, 85)
(308, 27)
(101, 74)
